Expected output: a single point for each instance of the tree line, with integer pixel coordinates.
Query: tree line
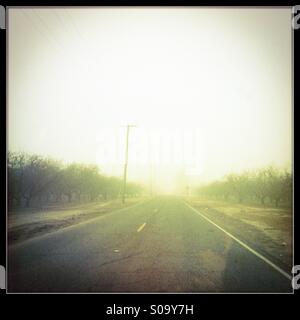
(269, 185)
(36, 179)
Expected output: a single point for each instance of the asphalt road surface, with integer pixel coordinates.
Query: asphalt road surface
(161, 245)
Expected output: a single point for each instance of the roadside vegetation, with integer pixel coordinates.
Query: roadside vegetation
(268, 186)
(255, 206)
(34, 180)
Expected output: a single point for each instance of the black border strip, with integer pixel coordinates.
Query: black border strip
(135, 298)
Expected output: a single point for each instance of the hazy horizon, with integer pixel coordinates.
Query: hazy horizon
(209, 90)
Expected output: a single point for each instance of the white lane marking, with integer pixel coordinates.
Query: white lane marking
(18, 245)
(270, 263)
(141, 227)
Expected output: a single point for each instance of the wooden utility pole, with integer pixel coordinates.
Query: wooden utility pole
(126, 163)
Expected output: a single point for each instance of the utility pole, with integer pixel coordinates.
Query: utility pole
(126, 162)
(151, 166)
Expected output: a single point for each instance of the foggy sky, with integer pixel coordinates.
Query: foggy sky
(209, 86)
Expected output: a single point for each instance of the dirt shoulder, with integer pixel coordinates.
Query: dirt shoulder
(268, 230)
(33, 222)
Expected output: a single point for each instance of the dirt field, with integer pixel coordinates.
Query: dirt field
(268, 230)
(24, 224)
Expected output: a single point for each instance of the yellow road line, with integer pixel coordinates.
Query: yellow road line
(141, 227)
(270, 263)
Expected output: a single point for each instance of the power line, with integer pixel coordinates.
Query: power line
(50, 31)
(37, 28)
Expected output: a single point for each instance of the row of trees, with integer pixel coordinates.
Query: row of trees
(36, 179)
(267, 185)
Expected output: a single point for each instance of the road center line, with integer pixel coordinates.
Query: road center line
(141, 227)
(270, 263)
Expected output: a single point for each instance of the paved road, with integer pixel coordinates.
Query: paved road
(161, 245)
